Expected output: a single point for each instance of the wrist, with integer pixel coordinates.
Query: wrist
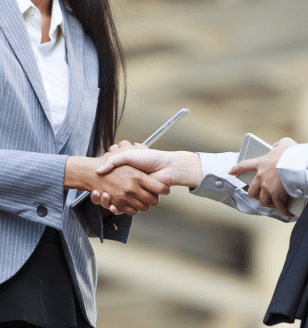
(186, 169)
(77, 170)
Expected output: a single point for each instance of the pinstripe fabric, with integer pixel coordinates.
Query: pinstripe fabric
(32, 158)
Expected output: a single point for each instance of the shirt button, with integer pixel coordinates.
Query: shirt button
(219, 184)
(299, 193)
(41, 210)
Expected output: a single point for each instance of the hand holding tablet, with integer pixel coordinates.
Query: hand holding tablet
(254, 147)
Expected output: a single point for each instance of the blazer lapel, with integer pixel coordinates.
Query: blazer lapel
(13, 27)
(74, 45)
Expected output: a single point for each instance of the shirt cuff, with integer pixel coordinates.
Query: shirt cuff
(292, 169)
(217, 184)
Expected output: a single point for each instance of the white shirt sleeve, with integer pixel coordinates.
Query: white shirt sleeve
(218, 185)
(293, 170)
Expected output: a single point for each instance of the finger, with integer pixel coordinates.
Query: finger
(254, 189)
(105, 200)
(156, 202)
(129, 210)
(280, 205)
(137, 205)
(139, 145)
(265, 199)
(114, 210)
(112, 162)
(113, 148)
(154, 186)
(95, 197)
(124, 143)
(106, 167)
(148, 198)
(243, 166)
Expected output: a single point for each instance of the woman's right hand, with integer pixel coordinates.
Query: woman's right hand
(104, 199)
(130, 190)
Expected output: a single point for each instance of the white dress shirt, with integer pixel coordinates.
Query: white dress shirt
(51, 57)
(218, 185)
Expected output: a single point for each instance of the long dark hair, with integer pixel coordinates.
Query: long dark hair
(96, 19)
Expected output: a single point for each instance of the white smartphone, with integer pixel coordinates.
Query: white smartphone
(149, 141)
(253, 147)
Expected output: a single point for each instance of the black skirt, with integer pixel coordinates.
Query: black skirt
(41, 292)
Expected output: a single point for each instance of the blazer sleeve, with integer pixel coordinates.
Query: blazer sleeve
(112, 227)
(31, 185)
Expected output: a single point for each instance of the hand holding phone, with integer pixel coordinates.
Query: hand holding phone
(253, 147)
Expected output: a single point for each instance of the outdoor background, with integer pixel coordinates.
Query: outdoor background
(239, 66)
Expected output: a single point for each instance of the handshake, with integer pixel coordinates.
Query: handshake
(136, 175)
(129, 178)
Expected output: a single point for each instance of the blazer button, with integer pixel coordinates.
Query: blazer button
(219, 184)
(299, 193)
(42, 210)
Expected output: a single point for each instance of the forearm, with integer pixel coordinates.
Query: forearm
(185, 169)
(77, 171)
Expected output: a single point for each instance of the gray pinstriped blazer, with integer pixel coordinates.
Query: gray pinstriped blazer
(32, 158)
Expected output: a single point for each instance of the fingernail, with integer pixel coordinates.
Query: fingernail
(105, 195)
(113, 209)
(100, 169)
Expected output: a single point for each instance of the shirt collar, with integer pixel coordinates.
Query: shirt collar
(24, 5)
(56, 17)
(56, 13)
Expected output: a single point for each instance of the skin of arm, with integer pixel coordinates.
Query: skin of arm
(179, 168)
(267, 186)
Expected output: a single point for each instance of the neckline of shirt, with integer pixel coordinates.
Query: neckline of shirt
(56, 14)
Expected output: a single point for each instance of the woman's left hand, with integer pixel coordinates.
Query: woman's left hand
(267, 186)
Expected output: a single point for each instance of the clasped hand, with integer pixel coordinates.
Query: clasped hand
(267, 186)
(128, 190)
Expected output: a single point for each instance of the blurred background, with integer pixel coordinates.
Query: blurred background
(239, 66)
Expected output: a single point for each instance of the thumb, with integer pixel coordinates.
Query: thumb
(106, 167)
(139, 145)
(113, 161)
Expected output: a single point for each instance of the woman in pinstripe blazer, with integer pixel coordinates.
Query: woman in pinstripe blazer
(48, 272)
